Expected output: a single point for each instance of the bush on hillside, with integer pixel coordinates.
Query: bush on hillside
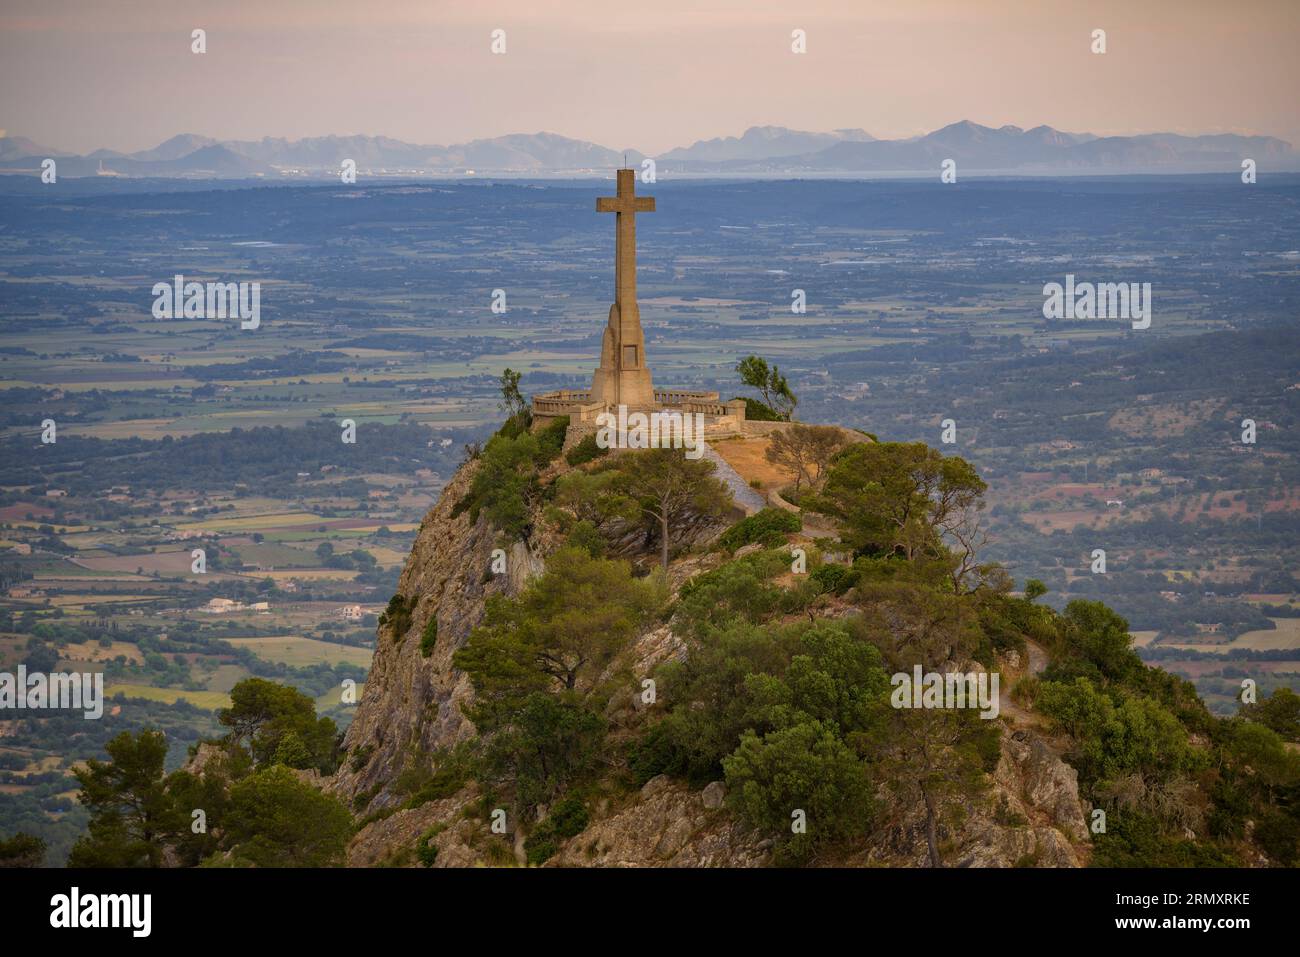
(768, 526)
(758, 411)
(585, 451)
(568, 818)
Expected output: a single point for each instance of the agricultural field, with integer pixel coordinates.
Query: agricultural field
(292, 650)
(206, 700)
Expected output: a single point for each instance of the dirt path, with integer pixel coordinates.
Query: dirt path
(748, 499)
(1007, 708)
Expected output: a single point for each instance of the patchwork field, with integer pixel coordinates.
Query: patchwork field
(164, 562)
(208, 700)
(1286, 635)
(95, 651)
(304, 651)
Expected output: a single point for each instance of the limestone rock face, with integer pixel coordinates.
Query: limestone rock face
(669, 826)
(666, 825)
(378, 842)
(1031, 816)
(1027, 846)
(204, 757)
(713, 795)
(1031, 771)
(411, 700)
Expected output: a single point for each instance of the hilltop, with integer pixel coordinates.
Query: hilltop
(511, 688)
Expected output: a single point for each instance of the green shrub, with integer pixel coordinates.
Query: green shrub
(540, 848)
(292, 752)
(1116, 734)
(361, 757)
(655, 753)
(506, 477)
(740, 589)
(587, 536)
(22, 850)
(429, 637)
(987, 742)
(1278, 833)
(443, 776)
(1136, 839)
(274, 819)
(498, 852)
(552, 741)
(585, 451)
(515, 426)
(425, 850)
(805, 767)
(506, 480)
(835, 579)
(1025, 691)
(768, 526)
(756, 411)
(711, 704)
(398, 616)
(568, 818)
(363, 798)
(550, 440)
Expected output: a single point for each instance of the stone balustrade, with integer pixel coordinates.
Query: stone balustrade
(578, 406)
(673, 398)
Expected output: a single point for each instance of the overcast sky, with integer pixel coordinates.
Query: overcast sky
(647, 74)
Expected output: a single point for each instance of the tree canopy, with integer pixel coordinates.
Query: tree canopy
(770, 383)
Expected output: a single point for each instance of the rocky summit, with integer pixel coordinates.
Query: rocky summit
(414, 715)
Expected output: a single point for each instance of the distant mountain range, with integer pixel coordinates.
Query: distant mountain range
(760, 143)
(760, 150)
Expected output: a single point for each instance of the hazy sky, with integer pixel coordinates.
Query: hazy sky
(649, 74)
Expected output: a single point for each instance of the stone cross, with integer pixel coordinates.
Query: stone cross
(626, 204)
(623, 377)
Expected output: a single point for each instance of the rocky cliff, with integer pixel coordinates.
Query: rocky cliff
(412, 701)
(412, 706)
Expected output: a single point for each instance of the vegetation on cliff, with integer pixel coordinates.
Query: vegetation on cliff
(782, 689)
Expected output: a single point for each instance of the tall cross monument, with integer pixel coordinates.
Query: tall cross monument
(623, 378)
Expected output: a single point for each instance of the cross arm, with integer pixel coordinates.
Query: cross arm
(616, 204)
